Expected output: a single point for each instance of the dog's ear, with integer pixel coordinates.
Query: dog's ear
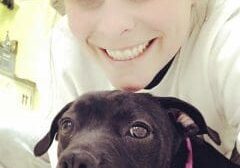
(43, 145)
(189, 117)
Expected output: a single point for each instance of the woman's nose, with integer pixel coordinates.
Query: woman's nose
(115, 22)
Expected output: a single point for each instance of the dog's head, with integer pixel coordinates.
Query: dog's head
(122, 130)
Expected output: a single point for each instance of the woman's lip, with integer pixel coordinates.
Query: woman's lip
(143, 53)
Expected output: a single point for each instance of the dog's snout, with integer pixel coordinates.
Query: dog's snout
(78, 160)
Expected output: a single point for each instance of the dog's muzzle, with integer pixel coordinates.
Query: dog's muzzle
(78, 160)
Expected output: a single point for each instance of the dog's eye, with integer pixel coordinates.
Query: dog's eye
(66, 126)
(139, 130)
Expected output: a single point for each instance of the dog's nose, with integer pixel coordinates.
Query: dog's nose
(78, 160)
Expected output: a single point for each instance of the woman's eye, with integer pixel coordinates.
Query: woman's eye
(139, 130)
(66, 126)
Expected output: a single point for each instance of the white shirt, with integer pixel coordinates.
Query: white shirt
(206, 73)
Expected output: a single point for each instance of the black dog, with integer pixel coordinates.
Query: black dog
(115, 129)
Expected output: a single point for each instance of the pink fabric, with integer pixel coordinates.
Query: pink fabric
(189, 163)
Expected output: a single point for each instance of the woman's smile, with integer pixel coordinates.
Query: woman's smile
(128, 53)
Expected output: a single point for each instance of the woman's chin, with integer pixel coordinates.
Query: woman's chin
(130, 85)
(129, 88)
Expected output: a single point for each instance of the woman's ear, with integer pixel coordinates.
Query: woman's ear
(188, 117)
(43, 145)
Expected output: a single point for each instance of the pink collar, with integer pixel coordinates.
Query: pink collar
(189, 163)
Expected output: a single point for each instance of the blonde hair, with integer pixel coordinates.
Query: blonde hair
(58, 5)
(199, 12)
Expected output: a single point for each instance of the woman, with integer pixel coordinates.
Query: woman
(187, 48)
(184, 48)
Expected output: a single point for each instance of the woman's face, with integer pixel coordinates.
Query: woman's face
(130, 39)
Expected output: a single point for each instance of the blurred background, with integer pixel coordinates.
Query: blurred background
(25, 26)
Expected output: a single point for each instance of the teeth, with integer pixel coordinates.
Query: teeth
(128, 53)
